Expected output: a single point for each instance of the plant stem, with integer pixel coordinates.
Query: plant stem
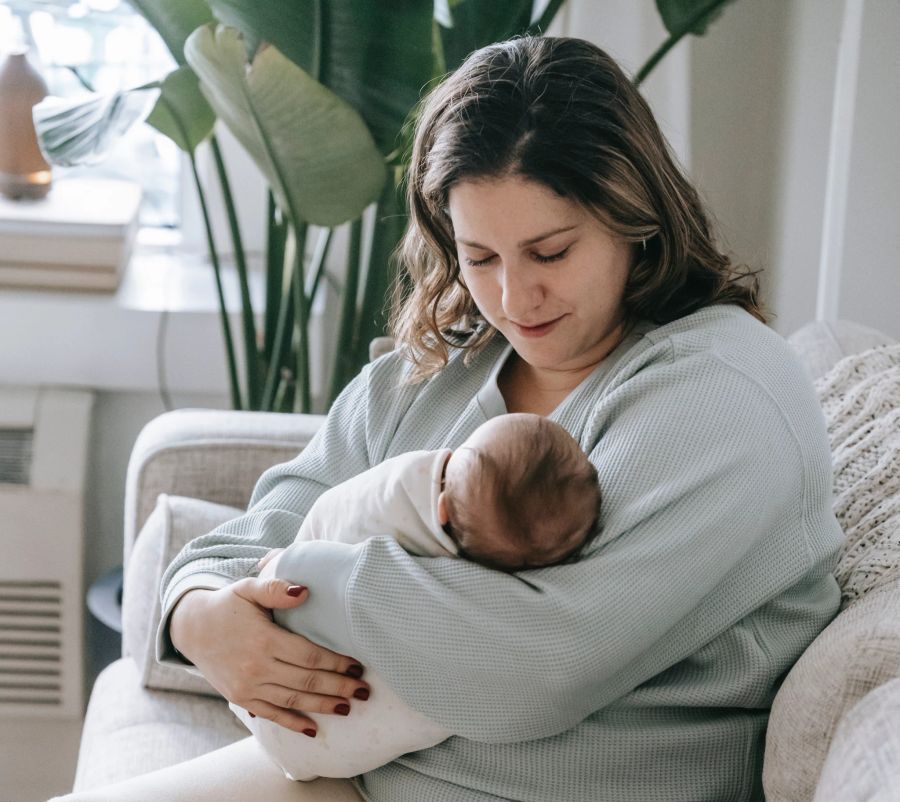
(223, 309)
(284, 329)
(344, 352)
(317, 267)
(301, 330)
(674, 39)
(251, 348)
(275, 237)
(316, 66)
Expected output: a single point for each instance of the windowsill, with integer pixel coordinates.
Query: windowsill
(108, 341)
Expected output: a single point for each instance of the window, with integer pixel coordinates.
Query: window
(103, 45)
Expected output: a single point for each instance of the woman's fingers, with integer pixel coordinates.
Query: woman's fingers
(321, 683)
(287, 646)
(284, 717)
(290, 698)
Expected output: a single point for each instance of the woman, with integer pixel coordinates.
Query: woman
(560, 265)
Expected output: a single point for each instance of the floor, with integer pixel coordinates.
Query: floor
(37, 758)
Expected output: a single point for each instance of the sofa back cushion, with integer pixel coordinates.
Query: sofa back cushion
(860, 649)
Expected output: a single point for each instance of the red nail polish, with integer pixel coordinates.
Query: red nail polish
(355, 671)
(310, 732)
(295, 590)
(342, 709)
(361, 693)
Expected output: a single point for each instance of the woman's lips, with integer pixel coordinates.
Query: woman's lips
(539, 330)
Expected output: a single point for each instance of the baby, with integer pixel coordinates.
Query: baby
(518, 493)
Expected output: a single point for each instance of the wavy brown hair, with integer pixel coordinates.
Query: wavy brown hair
(558, 111)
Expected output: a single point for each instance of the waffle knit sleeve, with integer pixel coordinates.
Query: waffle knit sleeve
(280, 500)
(700, 467)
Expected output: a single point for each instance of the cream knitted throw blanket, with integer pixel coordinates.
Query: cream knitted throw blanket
(861, 400)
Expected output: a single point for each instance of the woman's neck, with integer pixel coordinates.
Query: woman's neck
(528, 389)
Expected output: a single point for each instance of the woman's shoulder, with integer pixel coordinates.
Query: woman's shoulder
(725, 337)
(726, 362)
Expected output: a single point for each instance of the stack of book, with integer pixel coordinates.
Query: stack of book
(77, 238)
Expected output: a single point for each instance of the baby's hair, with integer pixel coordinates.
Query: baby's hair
(539, 479)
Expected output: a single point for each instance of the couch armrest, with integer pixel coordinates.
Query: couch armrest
(216, 455)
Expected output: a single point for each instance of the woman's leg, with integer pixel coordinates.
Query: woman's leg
(236, 773)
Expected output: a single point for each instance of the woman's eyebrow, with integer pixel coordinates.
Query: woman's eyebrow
(525, 242)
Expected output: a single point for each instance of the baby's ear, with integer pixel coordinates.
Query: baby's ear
(443, 517)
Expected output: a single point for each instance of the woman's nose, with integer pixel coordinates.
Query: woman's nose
(522, 293)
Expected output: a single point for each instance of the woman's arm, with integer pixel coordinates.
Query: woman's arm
(221, 621)
(706, 484)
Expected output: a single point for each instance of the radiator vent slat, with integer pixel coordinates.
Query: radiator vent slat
(31, 644)
(15, 456)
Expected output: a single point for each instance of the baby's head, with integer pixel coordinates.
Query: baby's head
(519, 493)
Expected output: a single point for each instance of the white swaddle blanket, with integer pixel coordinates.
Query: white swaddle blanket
(397, 498)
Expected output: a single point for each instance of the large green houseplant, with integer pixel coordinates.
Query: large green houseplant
(321, 96)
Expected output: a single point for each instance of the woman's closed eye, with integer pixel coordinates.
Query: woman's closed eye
(553, 257)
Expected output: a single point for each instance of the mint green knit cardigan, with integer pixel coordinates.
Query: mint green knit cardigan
(645, 671)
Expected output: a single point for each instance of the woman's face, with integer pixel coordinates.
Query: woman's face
(543, 271)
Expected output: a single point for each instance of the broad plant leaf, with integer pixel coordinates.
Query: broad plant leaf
(175, 20)
(82, 130)
(477, 23)
(689, 16)
(377, 56)
(314, 149)
(181, 112)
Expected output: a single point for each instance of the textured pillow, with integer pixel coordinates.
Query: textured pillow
(863, 764)
(858, 651)
(174, 521)
(861, 400)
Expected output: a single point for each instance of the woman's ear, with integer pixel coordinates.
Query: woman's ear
(443, 517)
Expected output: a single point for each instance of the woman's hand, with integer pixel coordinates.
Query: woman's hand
(229, 635)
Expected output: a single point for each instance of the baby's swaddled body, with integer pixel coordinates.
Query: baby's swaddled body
(396, 498)
(517, 493)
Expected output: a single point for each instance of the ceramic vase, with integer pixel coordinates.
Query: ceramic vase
(24, 173)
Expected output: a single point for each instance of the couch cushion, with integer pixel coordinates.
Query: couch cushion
(129, 730)
(863, 764)
(857, 652)
(174, 521)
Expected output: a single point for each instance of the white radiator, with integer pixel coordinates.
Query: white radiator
(43, 461)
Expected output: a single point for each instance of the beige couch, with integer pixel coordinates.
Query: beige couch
(192, 469)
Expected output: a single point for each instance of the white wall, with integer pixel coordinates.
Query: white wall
(762, 86)
(737, 88)
(870, 286)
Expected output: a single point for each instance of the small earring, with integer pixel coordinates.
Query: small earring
(644, 245)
